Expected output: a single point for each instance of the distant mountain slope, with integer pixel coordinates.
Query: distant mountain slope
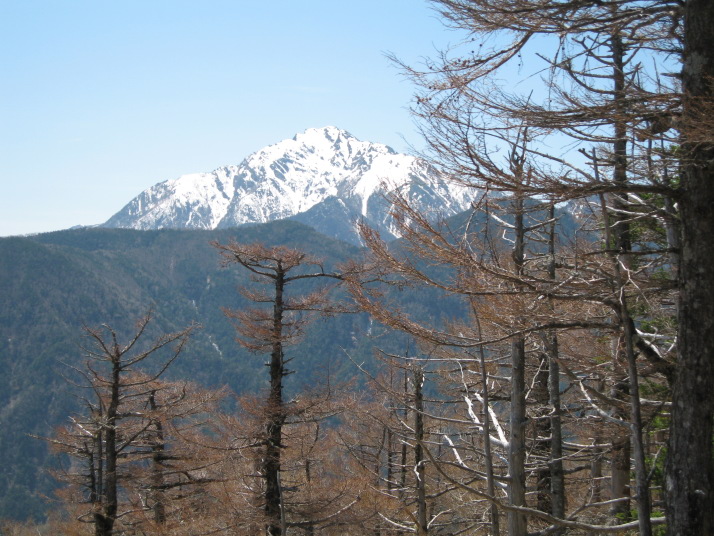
(53, 284)
(323, 177)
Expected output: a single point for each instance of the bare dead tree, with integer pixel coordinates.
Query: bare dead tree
(605, 91)
(403, 403)
(107, 438)
(276, 323)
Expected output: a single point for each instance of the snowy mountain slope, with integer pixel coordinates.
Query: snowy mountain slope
(324, 177)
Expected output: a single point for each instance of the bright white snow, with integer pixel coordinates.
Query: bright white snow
(289, 178)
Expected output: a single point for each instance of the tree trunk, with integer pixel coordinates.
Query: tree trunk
(557, 476)
(488, 458)
(105, 518)
(275, 418)
(542, 436)
(422, 524)
(158, 449)
(620, 457)
(690, 469)
(621, 263)
(644, 510)
(390, 459)
(403, 463)
(517, 524)
(596, 463)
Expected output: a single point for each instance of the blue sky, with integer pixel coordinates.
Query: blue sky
(100, 100)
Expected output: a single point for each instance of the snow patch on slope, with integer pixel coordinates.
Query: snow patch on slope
(290, 178)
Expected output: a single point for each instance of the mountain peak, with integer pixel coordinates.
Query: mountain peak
(329, 132)
(292, 177)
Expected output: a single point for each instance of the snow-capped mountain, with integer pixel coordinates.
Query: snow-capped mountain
(324, 177)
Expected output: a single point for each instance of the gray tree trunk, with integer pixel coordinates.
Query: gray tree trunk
(157, 469)
(690, 468)
(517, 523)
(422, 522)
(557, 475)
(542, 437)
(275, 418)
(490, 481)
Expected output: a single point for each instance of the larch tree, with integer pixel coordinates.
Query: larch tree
(611, 94)
(398, 417)
(170, 485)
(520, 301)
(109, 440)
(276, 322)
(493, 290)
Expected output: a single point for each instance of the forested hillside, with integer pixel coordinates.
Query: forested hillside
(368, 421)
(54, 284)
